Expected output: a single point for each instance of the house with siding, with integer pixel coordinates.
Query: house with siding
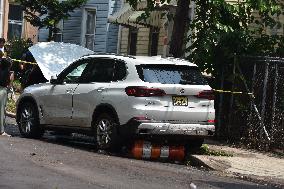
(12, 22)
(151, 37)
(87, 26)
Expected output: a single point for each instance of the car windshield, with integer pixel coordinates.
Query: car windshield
(171, 74)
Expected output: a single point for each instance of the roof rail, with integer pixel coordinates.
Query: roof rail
(115, 54)
(173, 58)
(129, 56)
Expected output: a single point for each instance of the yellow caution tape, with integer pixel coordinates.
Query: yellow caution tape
(25, 62)
(219, 91)
(232, 92)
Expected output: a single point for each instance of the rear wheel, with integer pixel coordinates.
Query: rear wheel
(106, 133)
(29, 121)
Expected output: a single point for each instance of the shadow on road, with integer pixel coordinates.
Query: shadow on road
(78, 141)
(74, 140)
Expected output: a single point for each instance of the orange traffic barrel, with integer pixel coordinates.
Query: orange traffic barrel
(146, 150)
(177, 153)
(155, 152)
(137, 150)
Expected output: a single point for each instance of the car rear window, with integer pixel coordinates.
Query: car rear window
(171, 74)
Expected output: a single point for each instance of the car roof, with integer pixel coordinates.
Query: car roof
(138, 60)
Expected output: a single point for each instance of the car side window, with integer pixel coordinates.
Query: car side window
(119, 71)
(100, 71)
(74, 74)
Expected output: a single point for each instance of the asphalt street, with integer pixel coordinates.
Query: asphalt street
(56, 162)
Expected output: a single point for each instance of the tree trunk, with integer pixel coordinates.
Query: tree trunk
(49, 34)
(179, 28)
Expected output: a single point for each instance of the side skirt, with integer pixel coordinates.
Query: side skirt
(68, 129)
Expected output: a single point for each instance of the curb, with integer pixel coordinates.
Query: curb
(197, 162)
(206, 162)
(210, 164)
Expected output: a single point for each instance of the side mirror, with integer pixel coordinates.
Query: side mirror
(53, 80)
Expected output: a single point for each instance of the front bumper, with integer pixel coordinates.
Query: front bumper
(161, 128)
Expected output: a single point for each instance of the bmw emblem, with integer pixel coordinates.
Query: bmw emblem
(181, 91)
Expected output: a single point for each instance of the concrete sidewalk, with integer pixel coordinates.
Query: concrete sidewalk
(247, 164)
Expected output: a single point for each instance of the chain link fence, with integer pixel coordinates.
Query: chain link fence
(256, 116)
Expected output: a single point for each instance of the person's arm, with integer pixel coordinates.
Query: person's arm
(11, 79)
(10, 76)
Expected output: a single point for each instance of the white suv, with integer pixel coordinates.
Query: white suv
(121, 97)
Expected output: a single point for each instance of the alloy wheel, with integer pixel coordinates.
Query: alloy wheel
(104, 132)
(27, 119)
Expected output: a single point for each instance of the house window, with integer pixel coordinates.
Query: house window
(132, 43)
(15, 21)
(89, 27)
(154, 41)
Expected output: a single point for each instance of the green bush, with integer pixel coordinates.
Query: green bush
(17, 85)
(11, 106)
(205, 150)
(17, 47)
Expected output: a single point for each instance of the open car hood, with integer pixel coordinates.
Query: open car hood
(54, 57)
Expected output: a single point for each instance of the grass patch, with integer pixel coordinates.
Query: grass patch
(17, 85)
(205, 150)
(11, 106)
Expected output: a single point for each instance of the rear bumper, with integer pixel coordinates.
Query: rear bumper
(175, 129)
(169, 129)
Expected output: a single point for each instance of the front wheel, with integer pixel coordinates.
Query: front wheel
(28, 122)
(106, 132)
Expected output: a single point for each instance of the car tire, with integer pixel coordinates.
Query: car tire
(28, 121)
(106, 133)
(194, 145)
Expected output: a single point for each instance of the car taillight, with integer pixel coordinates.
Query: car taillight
(141, 118)
(207, 94)
(211, 121)
(144, 91)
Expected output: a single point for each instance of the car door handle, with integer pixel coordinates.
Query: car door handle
(101, 89)
(69, 91)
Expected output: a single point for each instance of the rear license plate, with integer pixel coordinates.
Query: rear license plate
(180, 101)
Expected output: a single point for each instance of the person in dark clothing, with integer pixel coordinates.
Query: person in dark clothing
(2, 43)
(35, 77)
(26, 68)
(28, 56)
(5, 66)
(30, 74)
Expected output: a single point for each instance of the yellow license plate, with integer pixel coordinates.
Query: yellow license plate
(180, 101)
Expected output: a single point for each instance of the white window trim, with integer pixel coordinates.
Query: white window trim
(18, 23)
(1, 17)
(83, 24)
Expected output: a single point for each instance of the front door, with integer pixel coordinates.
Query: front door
(92, 90)
(58, 100)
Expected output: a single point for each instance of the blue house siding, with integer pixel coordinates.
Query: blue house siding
(112, 34)
(42, 35)
(105, 35)
(72, 28)
(112, 38)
